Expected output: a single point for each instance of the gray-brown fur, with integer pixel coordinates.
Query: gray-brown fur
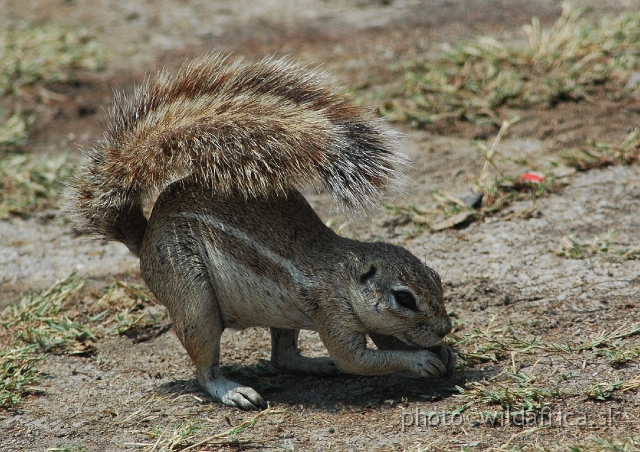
(231, 243)
(257, 129)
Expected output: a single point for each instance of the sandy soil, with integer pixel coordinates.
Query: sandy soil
(499, 271)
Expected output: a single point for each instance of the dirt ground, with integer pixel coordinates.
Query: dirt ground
(500, 272)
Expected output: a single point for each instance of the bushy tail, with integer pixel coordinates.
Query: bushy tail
(259, 129)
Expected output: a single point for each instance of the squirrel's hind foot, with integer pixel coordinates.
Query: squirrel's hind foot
(235, 395)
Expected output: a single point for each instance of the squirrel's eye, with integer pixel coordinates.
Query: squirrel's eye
(367, 275)
(406, 300)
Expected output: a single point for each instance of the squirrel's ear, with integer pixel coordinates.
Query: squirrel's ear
(368, 273)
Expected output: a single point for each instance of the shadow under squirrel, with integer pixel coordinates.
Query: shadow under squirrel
(231, 243)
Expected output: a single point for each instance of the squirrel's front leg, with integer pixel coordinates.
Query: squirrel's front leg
(350, 352)
(446, 354)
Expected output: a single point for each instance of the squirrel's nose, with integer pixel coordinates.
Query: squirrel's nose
(444, 326)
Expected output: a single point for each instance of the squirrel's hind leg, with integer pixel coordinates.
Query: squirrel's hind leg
(193, 307)
(201, 339)
(285, 355)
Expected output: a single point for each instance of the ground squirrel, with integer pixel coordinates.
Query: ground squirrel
(231, 243)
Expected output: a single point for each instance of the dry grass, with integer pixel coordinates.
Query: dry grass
(496, 343)
(14, 131)
(65, 320)
(518, 392)
(41, 320)
(514, 392)
(500, 189)
(128, 309)
(31, 59)
(491, 344)
(49, 53)
(34, 56)
(471, 80)
(597, 155)
(67, 448)
(572, 247)
(29, 183)
(17, 373)
(190, 436)
(497, 190)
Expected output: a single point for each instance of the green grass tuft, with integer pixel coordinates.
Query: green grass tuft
(41, 320)
(29, 183)
(470, 80)
(16, 374)
(38, 55)
(188, 435)
(48, 53)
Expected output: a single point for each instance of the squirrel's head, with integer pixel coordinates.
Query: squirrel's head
(397, 295)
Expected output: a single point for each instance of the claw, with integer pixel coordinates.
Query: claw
(447, 357)
(244, 397)
(429, 363)
(233, 394)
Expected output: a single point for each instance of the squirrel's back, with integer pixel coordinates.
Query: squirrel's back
(258, 129)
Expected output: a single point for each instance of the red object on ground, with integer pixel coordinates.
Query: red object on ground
(531, 177)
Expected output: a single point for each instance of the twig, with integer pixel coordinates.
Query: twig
(524, 432)
(235, 430)
(488, 156)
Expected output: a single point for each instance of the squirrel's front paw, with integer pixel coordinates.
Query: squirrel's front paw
(426, 363)
(447, 357)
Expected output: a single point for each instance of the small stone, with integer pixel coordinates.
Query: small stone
(472, 200)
